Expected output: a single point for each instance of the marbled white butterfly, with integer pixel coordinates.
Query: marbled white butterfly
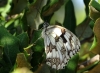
(60, 45)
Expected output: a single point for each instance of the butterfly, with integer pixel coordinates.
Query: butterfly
(60, 45)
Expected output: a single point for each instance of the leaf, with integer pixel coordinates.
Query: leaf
(4, 10)
(69, 20)
(51, 7)
(95, 4)
(38, 42)
(95, 69)
(36, 60)
(1, 51)
(86, 2)
(33, 15)
(91, 24)
(94, 43)
(96, 30)
(24, 21)
(94, 8)
(90, 67)
(3, 3)
(86, 31)
(18, 6)
(43, 68)
(72, 65)
(10, 44)
(38, 49)
(22, 70)
(94, 14)
(22, 61)
(24, 40)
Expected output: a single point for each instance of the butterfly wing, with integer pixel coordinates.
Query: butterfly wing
(60, 45)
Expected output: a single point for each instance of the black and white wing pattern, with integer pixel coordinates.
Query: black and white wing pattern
(60, 45)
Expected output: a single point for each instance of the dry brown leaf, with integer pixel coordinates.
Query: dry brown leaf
(94, 14)
(96, 30)
(22, 61)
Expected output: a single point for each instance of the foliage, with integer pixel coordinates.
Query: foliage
(21, 45)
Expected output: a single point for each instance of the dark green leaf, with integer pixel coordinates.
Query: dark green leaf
(72, 65)
(38, 48)
(91, 24)
(69, 20)
(18, 6)
(10, 44)
(36, 59)
(24, 40)
(86, 2)
(38, 43)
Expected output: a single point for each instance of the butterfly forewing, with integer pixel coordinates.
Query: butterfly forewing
(60, 45)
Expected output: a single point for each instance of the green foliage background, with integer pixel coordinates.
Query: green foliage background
(21, 45)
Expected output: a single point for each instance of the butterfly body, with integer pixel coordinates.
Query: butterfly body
(60, 45)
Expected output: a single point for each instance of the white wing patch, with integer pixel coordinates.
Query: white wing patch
(60, 45)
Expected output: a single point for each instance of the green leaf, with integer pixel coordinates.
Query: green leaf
(91, 24)
(24, 40)
(86, 2)
(5, 9)
(37, 40)
(38, 49)
(10, 44)
(24, 22)
(69, 20)
(93, 44)
(36, 59)
(3, 3)
(95, 4)
(94, 8)
(72, 65)
(1, 51)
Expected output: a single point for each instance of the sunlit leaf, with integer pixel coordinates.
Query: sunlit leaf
(4, 10)
(10, 44)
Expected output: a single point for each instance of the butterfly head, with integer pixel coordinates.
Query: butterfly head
(45, 25)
